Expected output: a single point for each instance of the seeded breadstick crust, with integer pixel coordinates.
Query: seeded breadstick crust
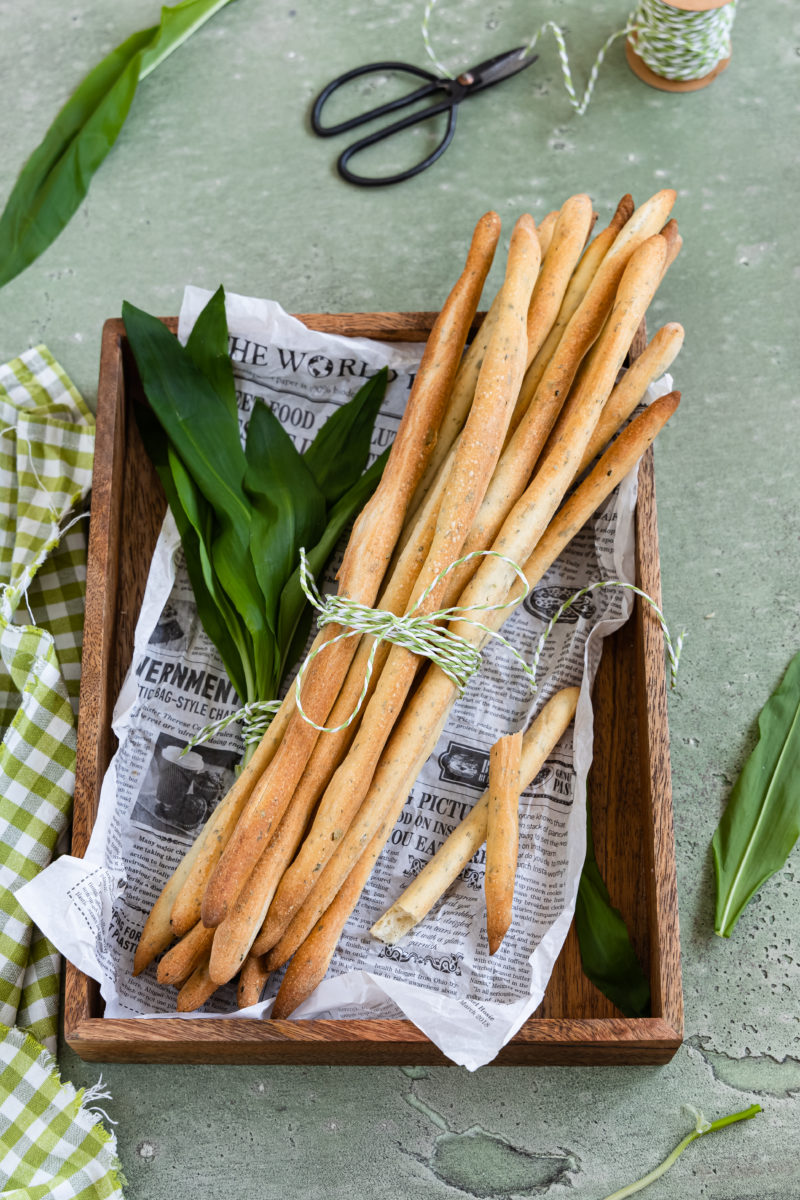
(178, 963)
(198, 988)
(251, 981)
(309, 965)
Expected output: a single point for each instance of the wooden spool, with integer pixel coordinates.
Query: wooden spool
(641, 69)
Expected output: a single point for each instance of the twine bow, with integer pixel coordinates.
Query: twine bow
(420, 633)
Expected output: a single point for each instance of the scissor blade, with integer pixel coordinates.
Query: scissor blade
(496, 69)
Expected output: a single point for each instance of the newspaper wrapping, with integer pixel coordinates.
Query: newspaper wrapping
(154, 801)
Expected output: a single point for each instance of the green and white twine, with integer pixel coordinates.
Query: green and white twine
(673, 648)
(674, 43)
(420, 633)
(254, 717)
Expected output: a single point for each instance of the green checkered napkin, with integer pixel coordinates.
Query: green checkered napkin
(50, 1145)
(46, 448)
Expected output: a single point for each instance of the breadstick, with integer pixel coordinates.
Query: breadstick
(674, 242)
(478, 449)
(468, 836)
(578, 286)
(566, 237)
(236, 934)
(650, 365)
(309, 964)
(178, 963)
(198, 988)
(158, 932)
(369, 549)
(220, 825)
(525, 447)
(574, 223)
(190, 875)
(620, 458)
(502, 836)
(457, 408)
(251, 981)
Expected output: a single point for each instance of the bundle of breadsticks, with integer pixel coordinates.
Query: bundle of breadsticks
(490, 455)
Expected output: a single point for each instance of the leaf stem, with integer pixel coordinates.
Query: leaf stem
(700, 1130)
(151, 58)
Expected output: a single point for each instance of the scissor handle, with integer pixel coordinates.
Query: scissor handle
(398, 126)
(434, 84)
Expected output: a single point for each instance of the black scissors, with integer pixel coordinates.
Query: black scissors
(486, 74)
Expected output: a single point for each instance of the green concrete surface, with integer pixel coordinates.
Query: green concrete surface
(217, 178)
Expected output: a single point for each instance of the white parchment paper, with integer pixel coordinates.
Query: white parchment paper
(153, 803)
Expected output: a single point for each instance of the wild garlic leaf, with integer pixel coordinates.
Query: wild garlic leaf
(607, 956)
(339, 452)
(216, 617)
(206, 436)
(295, 615)
(207, 347)
(288, 507)
(56, 177)
(761, 822)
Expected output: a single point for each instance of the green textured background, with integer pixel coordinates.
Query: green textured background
(216, 178)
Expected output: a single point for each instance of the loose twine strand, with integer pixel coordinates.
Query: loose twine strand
(422, 634)
(674, 43)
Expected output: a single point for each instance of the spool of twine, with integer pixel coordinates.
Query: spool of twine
(680, 46)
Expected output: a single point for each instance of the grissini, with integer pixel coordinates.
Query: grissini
(309, 965)
(544, 230)
(218, 828)
(651, 364)
(369, 550)
(542, 404)
(466, 839)
(234, 936)
(178, 963)
(158, 932)
(578, 286)
(311, 959)
(530, 439)
(198, 988)
(478, 449)
(571, 230)
(570, 224)
(610, 469)
(251, 981)
(502, 836)
(520, 533)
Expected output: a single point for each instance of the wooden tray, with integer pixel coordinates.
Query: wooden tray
(629, 788)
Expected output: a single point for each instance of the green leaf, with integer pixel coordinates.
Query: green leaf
(339, 452)
(219, 617)
(208, 349)
(288, 507)
(56, 177)
(607, 956)
(205, 434)
(216, 620)
(761, 822)
(295, 618)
